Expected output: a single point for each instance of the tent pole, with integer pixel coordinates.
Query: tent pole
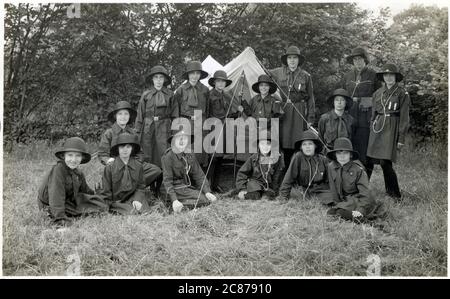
(241, 92)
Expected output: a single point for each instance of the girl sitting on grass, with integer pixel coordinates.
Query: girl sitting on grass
(123, 179)
(261, 174)
(183, 177)
(64, 193)
(349, 184)
(308, 170)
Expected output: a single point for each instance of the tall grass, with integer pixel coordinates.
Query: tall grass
(231, 237)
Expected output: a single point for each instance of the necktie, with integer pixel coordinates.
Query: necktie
(291, 80)
(160, 100)
(358, 76)
(192, 97)
(75, 184)
(126, 179)
(342, 128)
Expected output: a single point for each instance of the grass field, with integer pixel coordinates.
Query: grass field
(231, 237)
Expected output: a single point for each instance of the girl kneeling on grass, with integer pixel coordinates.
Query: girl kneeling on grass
(349, 184)
(261, 174)
(123, 179)
(64, 192)
(308, 170)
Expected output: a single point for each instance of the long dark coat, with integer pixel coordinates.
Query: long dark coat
(361, 91)
(299, 87)
(349, 186)
(155, 113)
(65, 193)
(183, 177)
(256, 176)
(391, 118)
(123, 184)
(188, 99)
(304, 171)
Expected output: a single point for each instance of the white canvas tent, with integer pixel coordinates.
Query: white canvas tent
(210, 65)
(244, 71)
(245, 64)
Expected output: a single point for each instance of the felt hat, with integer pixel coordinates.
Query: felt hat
(120, 106)
(219, 75)
(263, 135)
(389, 69)
(293, 50)
(192, 66)
(179, 132)
(74, 144)
(358, 52)
(125, 138)
(340, 92)
(342, 144)
(159, 69)
(309, 135)
(265, 79)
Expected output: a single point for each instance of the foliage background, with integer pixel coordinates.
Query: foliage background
(62, 75)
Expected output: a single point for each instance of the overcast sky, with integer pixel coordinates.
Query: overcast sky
(398, 5)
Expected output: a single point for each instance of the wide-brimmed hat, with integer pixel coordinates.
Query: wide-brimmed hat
(264, 79)
(358, 52)
(343, 93)
(219, 75)
(263, 135)
(179, 132)
(389, 69)
(309, 135)
(74, 144)
(159, 69)
(192, 66)
(120, 106)
(342, 144)
(293, 50)
(125, 138)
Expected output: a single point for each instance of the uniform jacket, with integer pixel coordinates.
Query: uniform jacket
(219, 103)
(328, 127)
(155, 113)
(62, 187)
(390, 122)
(120, 186)
(108, 138)
(268, 176)
(298, 86)
(300, 172)
(349, 186)
(367, 85)
(269, 107)
(190, 98)
(182, 170)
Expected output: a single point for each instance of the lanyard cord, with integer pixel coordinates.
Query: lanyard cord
(265, 175)
(187, 169)
(357, 83)
(383, 103)
(290, 88)
(311, 177)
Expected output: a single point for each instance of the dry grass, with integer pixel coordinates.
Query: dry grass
(231, 237)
